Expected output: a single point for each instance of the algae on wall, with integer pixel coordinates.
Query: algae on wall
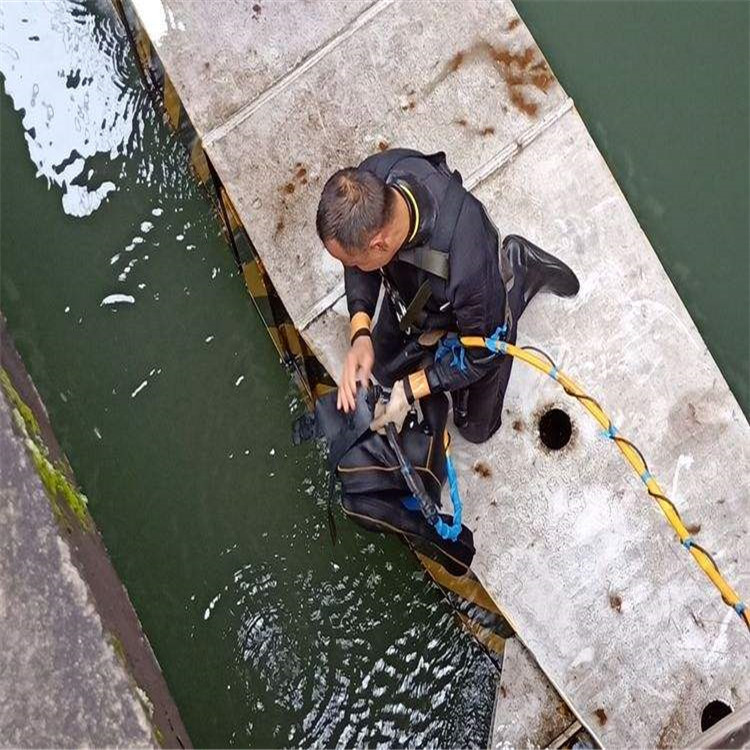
(54, 476)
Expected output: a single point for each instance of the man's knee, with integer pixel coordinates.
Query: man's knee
(478, 432)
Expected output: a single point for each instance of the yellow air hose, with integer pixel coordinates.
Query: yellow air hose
(633, 456)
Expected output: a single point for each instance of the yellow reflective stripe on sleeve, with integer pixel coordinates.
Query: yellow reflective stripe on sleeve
(359, 320)
(419, 385)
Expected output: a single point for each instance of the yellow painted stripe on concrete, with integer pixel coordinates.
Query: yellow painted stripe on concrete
(171, 102)
(466, 587)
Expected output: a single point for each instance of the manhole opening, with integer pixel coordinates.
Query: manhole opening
(555, 429)
(713, 713)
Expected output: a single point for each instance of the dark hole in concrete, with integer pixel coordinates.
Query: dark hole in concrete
(714, 712)
(555, 429)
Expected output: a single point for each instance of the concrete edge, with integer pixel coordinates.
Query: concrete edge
(90, 557)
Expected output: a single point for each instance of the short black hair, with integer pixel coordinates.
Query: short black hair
(354, 205)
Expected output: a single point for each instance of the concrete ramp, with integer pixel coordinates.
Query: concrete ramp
(615, 612)
(528, 711)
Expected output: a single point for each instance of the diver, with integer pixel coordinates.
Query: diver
(402, 220)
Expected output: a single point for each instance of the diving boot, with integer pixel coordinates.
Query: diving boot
(543, 271)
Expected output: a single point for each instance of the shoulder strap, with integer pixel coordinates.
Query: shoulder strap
(428, 259)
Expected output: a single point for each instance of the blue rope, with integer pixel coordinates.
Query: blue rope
(441, 527)
(451, 345)
(553, 373)
(497, 339)
(646, 476)
(740, 608)
(610, 432)
(688, 542)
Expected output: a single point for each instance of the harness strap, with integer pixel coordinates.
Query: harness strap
(416, 306)
(428, 259)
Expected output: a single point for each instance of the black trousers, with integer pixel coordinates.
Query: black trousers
(477, 410)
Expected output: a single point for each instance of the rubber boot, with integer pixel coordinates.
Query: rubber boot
(542, 271)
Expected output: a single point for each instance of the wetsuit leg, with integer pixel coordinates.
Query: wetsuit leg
(526, 270)
(485, 403)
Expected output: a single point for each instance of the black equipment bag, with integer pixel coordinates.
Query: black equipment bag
(373, 486)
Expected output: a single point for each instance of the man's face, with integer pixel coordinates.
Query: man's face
(369, 259)
(382, 247)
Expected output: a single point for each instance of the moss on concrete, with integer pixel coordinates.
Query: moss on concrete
(59, 487)
(159, 735)
(32, 426)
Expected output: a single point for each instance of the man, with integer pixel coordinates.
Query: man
(403, 219)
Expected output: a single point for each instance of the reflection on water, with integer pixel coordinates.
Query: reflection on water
(169, 399)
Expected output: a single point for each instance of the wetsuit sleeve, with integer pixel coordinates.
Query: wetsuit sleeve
(362, 289)
(477, 296)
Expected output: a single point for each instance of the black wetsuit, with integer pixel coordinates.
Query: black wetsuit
(472, 301)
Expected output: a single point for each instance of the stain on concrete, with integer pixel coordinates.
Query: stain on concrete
(615, 602)
(299, 178)
(601, 716)
(519, 71)
(482, 469)
(481, 131)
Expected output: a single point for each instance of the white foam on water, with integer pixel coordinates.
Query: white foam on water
(211, 606)
(139, 389)
(113, 299)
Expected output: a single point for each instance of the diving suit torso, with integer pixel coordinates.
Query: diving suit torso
(452, 273)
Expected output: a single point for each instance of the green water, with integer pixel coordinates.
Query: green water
(175, 412)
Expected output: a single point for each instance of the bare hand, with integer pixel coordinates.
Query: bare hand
(357, 367)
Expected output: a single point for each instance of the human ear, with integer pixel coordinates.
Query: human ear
(378, 243)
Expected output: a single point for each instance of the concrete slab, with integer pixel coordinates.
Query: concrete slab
(61, 681)
(528, 710)
(244, 47)
(615, 612)
(471, 94)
